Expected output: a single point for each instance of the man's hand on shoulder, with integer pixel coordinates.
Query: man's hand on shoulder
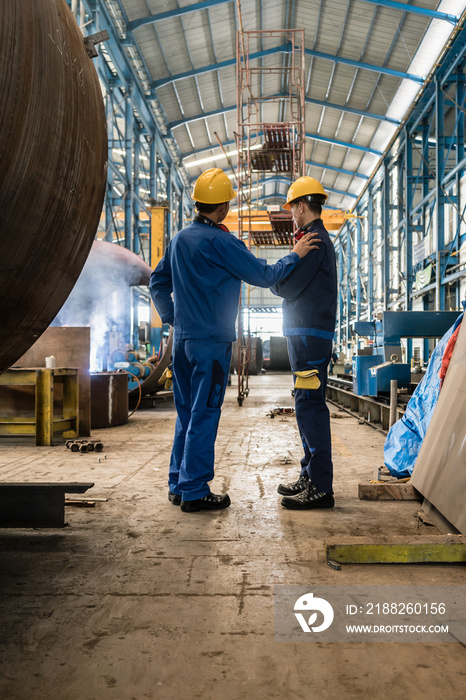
(306, 243)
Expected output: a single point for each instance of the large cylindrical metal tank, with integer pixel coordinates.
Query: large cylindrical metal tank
(53, 166)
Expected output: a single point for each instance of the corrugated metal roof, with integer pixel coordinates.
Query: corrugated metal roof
(357, 52)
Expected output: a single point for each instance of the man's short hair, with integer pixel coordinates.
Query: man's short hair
(204, 208)
(311, 203)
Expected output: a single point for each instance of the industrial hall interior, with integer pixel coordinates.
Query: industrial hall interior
(232, 358)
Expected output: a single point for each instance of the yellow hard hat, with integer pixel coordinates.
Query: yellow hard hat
(213, 187)
(305, 187)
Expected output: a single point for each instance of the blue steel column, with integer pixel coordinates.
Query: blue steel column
(349, 253)
(409, 179)
(440, 196)
(358, 269)
(408, 205)
(340, 292)
(460, 149)
(136, 191)
(425, 192)
(170, 232)
(370, 246)
(386, 235)
(129, 167)
(153, 169)
(459, 114)
(425, 163)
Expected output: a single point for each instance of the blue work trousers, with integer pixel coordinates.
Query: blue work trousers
(307, 352)
(200, 375)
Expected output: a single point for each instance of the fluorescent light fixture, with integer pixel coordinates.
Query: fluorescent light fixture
(210, 158)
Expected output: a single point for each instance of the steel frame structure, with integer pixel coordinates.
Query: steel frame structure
(412, 213)
(281, 144)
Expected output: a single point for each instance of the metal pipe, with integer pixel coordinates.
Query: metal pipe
(393, 401)
(74, 7)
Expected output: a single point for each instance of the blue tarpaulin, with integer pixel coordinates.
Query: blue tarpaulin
(405, 437)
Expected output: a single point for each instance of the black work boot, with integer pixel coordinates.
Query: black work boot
(295, 487)
(309, 498)
(174, 498)
(209, 502)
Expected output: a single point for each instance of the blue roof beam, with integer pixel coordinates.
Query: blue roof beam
(343, 171)
(285, 48)
(178, 12)
(309, 100)
(150, 19)
(365, 66)
(344, 144)
(315, 137)
(351, 110)
(414, 9)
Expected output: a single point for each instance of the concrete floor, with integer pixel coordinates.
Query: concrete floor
(135, 599)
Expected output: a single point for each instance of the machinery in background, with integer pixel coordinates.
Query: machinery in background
(135, 362)
(375, 366)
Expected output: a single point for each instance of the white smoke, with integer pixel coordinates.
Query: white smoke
(102, 298)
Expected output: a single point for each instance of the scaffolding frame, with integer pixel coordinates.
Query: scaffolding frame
(266, 147)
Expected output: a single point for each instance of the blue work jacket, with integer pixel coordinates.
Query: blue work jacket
(203, 266)
(310, 292)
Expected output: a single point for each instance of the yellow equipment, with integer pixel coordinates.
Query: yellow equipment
(167, 379)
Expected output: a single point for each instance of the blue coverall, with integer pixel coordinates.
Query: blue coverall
(203, 266)
(309, 316)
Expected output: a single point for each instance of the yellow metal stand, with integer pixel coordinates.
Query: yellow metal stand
(43, 425)
(158, 215)
(397, 550)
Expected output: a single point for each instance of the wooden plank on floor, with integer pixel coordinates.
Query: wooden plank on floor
(388, 492)
(396, 550)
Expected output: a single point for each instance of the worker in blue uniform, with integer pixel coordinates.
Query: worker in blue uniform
(203, 267)
(309, 316)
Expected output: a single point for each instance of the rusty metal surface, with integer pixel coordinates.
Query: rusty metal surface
(53, 166)
(109, 399)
